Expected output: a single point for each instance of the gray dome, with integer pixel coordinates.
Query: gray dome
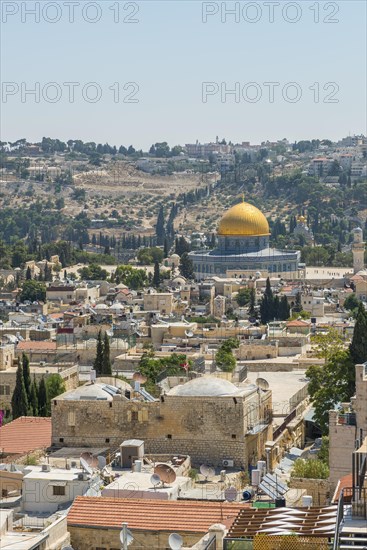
(205, 386)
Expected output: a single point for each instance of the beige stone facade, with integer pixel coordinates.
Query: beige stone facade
(206, 428)
(162, 302)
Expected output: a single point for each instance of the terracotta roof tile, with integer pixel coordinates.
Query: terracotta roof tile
(149, 514)
(297, 323)
(28, 345)
(25, 434)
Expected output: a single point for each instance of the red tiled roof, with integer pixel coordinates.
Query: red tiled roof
(155, 515)
(25, 434)
(343, 483)
(297, 323)
(28, 345)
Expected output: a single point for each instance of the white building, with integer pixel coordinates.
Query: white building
(47, 490)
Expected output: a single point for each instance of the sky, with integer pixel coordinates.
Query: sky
(179, 71)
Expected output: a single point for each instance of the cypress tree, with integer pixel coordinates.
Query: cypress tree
(98, 362)
(160, 232)
(157, 275)
(43, 400)
(276, 307)
(19, 400)
(28, 274)
(252, 302)
(298, 304)
(284, 309)
(267, 304)
(358, 346)
(166, 251)
(26, 375)
(186, 266)
(106, 361)
(33, 402)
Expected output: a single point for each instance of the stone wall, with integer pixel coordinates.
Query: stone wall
(319, 489)
(208, 429)
(87, 538)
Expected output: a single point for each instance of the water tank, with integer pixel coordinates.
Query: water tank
(223, 474)
(261, 465)
(137, 465)
(306, 501)
(247, 494)
(255, 477)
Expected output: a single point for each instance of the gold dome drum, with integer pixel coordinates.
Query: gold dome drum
(244, 219)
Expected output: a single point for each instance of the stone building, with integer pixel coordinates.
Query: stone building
(243, 248)
(348, 428)
(208, 418)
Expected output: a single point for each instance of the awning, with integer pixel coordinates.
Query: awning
(58, 483)
(363, 448)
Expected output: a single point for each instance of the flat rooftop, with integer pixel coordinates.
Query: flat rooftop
(283, 386)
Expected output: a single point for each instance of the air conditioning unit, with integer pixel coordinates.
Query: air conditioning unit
(228, 463)
(45, 468)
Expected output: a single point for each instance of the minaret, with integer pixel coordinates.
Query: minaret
(358, 250)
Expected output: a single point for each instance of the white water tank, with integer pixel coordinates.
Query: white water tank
(255, 477)
(261, 465)
(137, 465)
(306, 501)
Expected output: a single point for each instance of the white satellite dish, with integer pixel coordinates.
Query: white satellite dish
(230, 494)
(262, 383)
(126, 537)
(175, 541)
(189, 333)
(101, 462)
(204, 470)
(211, 472)
(84, 464)
(155, 480)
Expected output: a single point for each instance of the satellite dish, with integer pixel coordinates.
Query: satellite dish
(175, 541)
(101, 462)
(230, 494)
(204, 470)
(138, 377)
(262, 383)
(252, 319)
(189, 333)
(129, 537)
(211, 472)
(86, 466)
(165, 472)
(91, 460)
(155, 480)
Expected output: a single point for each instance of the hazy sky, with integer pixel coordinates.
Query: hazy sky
(268, 53)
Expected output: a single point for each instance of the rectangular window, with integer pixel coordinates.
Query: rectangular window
(4, 390)
(58, 491)
(71, 418)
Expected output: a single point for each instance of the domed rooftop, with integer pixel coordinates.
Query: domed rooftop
(205, 386)
(244, 219)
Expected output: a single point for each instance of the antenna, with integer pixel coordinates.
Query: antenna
(101, 462)
(86, 466)
(262, 383)
(166, 473)
(230, 494)
(155, 480)
(175, 541)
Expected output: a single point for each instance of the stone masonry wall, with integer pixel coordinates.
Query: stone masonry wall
(210, 429)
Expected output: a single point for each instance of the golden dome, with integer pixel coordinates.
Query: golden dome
(244, 219)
